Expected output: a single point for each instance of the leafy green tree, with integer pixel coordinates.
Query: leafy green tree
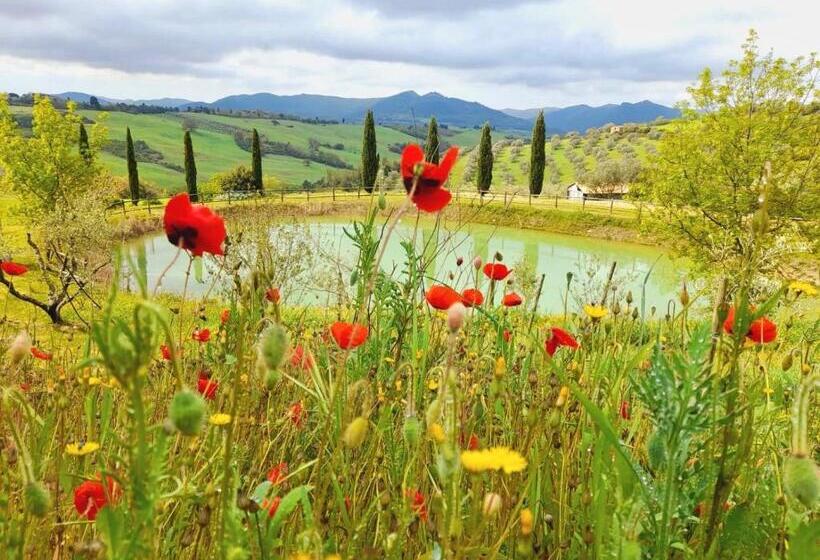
(431, 146)
(370, 157)
(484, 175)
(85, 150)
(133, 173)
(712, 165)
(537, 155)
(60, 198)
(190, 167)
(256, 161)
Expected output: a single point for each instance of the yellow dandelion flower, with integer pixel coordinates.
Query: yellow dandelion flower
(432, 384)
(596, 311)
(219, 419)
(799, 287)
(419, 354)
(436, 432)
(526, 521)
(493, 459)
(563, 394)
(82, 448)
(500, 367)
(244, 378)
(768, 391)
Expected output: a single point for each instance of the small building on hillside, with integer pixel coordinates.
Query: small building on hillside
(615, 129)
(577, 191)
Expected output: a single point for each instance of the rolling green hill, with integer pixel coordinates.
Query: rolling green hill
(160, 150)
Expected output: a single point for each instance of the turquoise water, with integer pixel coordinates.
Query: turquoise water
(531, 253)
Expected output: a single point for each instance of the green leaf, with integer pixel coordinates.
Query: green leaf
(261, 492)
(805, 542)
(287, 505)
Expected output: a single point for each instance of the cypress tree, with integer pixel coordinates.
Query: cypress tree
(370, 157)
(85, 150)
(190, 168)
(537, 156)
(431, 146)
(133, 174)
(484, 176)
(256, 161)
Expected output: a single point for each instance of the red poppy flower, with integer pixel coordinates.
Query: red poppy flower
(348, 335)
(278, 473)
(271, 505)
(273, 295)
(193, 228)
(507, 336)
(40, 354)
(472, 297)
(473, 443)
(624, 410)
(225, 316)
(348, 503)
(25, 387)
(442, 297)
(761, 331)
(91, 496)
(301, 358)
(13, 268)
(559, 338)
(496, 271)
(512, 300)
(418, 504)
(201, 335)
(297, 413)
(207, 387)
(429, 195)
(166, 352)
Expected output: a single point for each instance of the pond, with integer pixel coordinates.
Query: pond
(531, 252)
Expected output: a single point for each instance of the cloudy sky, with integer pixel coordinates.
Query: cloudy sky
(504, 53)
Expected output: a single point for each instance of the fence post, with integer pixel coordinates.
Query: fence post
(640, 209)
(505, 198)
(307, 194)
(530, 198)
(583, 203)
(229, 197)
(556, 201)
(334, 193)
(149, 209)
(123, 208)
(611, 202)
(359, 193)
(282, 193)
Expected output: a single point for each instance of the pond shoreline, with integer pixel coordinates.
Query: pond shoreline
(582, 224)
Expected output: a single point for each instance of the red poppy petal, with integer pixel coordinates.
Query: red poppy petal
(442, 171)
(442, 297)
(431, 199)
(564, 338)
(410, 156)
(551, 346)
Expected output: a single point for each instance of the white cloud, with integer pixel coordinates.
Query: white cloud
(516, 53)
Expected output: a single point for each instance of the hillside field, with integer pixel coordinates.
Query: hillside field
(217, 152)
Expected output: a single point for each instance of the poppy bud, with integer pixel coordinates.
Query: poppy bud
(433, 412)
(616, 309)
(354, 276)
(37, 499)
(187, 412)
(412, 429)
(451, 276)
(498, 256)
(274, 345)
(455, 316)
(477, 262)
(684, 296)
(788, 360)
(355, 432)
(525, 520)
(656, 451)
(19, 349)
(635, 314)
(492, 504)
(272, 377)
(459, 261)
(629, 299)
(801, 478)
(203, 516)
(382, 201)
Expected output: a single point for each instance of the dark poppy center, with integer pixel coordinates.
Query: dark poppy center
(187, 236)
(424, 183)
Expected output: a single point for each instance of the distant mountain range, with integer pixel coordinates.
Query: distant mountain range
(408, 107)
